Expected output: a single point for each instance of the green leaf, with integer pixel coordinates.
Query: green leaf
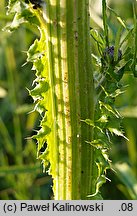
(89, 122)
(17, 21)
(101, 180)
(117, 132)
(121, 71)
(117, 44)
(22, 15)
(14, 6)
(127, 37)
(120, 20)
(40, 89)
(34, 52)
(38, 66)
(116, 93)
(109, 109)
(97, 37)
(40, 107)
(98, 144)
(41, 136)
(103, 119)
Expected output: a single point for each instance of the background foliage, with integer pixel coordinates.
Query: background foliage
(21, 175)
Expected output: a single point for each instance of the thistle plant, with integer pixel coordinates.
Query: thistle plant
(111, 64)
(78, 116)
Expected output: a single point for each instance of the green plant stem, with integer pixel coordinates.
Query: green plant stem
(104, 8)
(71, 98)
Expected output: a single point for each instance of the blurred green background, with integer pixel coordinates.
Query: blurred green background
(21, 174)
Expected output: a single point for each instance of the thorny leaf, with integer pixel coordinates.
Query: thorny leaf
(117, 132)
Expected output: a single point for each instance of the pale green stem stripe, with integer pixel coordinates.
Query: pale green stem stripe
(71, 82)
